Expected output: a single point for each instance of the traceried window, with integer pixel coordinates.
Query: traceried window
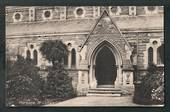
(73, 57)
(35, 57)
(150, 55)
(160, 55)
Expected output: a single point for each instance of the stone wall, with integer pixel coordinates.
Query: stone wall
(70, 12)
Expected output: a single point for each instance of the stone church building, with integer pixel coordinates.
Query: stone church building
(104, 42)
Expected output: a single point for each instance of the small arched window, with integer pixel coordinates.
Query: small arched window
(28, 55)
(150, 55)
(65, 60)
(160, 54)
(73, 57)
(35, 57)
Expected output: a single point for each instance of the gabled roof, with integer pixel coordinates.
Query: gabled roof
(105, 25)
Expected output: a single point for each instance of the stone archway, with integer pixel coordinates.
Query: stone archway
(105, 69)
(115, 63)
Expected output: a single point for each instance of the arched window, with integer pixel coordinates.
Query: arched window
(35, 57)
(160, 54)
(28, 55)
(65, 60)
(73, 57)
(150, 55)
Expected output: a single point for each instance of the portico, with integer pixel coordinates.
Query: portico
(105, 66)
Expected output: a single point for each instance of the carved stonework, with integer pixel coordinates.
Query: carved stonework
(105, 25)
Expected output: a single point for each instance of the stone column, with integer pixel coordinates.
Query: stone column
(92, 79)
(39, 57)
(77, 59)
(155, 55)
(63, 13)
(116, 84)
(31, 54)
(90, 75)
(120, 75)
(93, 76)
(69, 59)
(25, 52)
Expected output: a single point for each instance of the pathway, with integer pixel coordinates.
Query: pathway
(97, 101)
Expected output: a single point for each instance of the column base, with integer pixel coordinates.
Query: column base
(93, 84)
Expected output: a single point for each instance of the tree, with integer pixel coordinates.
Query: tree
(59, 84)
(54, 51)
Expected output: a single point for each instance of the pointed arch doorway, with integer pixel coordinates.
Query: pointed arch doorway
(105, 70)
(105, 66)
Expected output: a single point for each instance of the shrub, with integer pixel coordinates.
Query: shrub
(59, 84)
(158, 91)
(23, 83)
(151, 88)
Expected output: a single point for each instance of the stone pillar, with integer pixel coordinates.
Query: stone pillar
(31, 54)
(127, 78)
(31, 13)
(63, 13)
(38, 58)
(120, 75)
(82, 85)
(155, 55)
(128, 86)
(92, 78)
(25, 52)
(90, 75)
(69, 59)
(96, 11)
(77, 59)
(116, 83)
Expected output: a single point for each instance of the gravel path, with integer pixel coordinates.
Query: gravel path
(97, 101)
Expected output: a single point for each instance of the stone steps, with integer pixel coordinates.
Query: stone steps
(104, 95)
(105, 86)
(106, 89)
(105, 92)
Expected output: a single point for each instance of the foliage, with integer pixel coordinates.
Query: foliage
(151, 89)
(23, 81)
(158, 91)
(58, 84)
(53, 51)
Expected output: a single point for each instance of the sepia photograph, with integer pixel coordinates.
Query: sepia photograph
(91, 56)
